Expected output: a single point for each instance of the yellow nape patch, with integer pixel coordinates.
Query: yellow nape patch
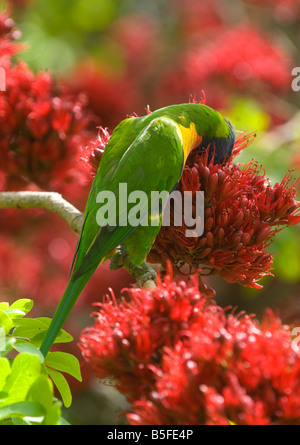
(189, 137)
(155, 219)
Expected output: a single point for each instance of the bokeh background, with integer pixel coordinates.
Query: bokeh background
(118, 56)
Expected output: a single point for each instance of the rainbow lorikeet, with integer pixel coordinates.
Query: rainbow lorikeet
(146, 153)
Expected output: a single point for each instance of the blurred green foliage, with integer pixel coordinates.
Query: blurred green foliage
(59, 32)
(26, 391)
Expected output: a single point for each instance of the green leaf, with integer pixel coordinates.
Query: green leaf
(62, 337)
(25, 369)
(4, 305)
(2, 339)
(24, 305)
(4, 371)
(19, 421)
(3, 395)
(248, 113)
(5, 321)
(24, 346)
(53, 414)
(27, 410)
(29, 327)
(62, 386)
(6, 344)
(15, 313)
(63, 421)
(64, 362)
(41, 391)
(35, 329)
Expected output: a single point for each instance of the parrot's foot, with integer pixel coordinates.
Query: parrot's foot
(144, 273)
(119, 258)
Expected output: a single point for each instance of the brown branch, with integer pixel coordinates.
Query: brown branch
(55, 203)
(51, 201)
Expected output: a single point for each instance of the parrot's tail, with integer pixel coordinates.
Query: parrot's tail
(65, 306)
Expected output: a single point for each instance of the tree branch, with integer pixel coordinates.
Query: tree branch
(55, 203)
(51, 201)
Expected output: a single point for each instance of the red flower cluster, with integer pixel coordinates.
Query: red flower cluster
(181, 359)
(199, 19)
(236, 60)
(242, 214)
(209, 49)
(42, 125)
(109, 94)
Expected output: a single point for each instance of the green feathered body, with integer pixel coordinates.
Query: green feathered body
(147, 153)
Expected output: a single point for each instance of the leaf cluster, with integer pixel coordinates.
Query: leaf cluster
(27, 379)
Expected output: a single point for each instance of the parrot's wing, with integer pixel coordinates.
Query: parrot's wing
(122, 137)
(90, 200)
(152, 162)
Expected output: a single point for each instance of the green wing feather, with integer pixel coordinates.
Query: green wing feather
(122, 137)
(142, 167)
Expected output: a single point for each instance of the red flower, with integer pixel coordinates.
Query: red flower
(92, 153)
(43, 132)
(228, 62)
(108, 93)
(181, 359)
(42, 124)
(243, 212)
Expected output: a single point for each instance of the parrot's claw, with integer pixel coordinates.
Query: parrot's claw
(144, 274)
(119, 258)
(149, 275)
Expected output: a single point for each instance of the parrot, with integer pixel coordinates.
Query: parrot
(147, 153)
